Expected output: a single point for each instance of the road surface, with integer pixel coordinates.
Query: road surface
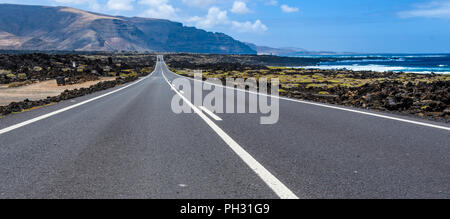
(127, 143)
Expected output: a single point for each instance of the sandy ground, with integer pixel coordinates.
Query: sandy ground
(40, 90)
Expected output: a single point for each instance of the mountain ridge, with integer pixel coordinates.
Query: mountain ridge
(291, 51)
(31, 27)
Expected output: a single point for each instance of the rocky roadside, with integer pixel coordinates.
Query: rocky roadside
(75, 68)
(425, 96)
(23, 69)
(426, 100)
(17, 107)
(194, 61)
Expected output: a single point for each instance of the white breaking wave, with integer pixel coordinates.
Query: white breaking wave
(375, 68)
(426, 56)
(371, 60)
(378, 68)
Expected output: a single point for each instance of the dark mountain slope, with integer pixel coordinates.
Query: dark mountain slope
(24, 27)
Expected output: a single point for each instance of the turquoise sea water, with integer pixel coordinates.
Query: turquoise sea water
(414, 63)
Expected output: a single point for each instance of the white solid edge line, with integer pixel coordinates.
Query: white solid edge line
(19, 125)
(330, 106)
(276, 185)
(207, 111)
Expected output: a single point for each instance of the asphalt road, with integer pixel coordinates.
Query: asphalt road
(127, 143)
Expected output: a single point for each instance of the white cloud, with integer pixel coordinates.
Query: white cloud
(162, 12)
(272, 2)
(217, 17)
(93, 4)
(164, 9)
(248, 26)
(153, 2)
(240, 7)
(436, 9)
(288, 9)
(214, 18)
(159, 9)
(199, 3)
(75, 1)
(120, 5)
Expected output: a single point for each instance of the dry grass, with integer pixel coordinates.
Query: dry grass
(40, 90)
(33, 108)
(19, 84)
(291, 77)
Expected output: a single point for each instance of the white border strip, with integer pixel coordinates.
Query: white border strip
(276, 185)
(22, 124)
(331, 106)
(207, 111)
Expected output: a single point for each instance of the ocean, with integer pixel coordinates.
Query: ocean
(412, 63)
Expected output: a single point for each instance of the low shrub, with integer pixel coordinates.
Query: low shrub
(22, 76)
(19, 84)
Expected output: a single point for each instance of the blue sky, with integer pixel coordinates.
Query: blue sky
(367, 26)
